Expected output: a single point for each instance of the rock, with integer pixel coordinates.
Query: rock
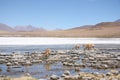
(76, 58)
(66, 72)
(77, 69)
(8, 69)
(36, 61)
(118, 58)
(54, 77)
(79, 65)
(67, 64)
(2, 76)
(108, 74)
(104, 79)
(16, 63)
(86, 78)
(68, 78)
(103, 75)
(104, 66)
(96, 73)
(27, 74)
(115, 72)
(67, 59)
(63, 75)
(42, 79)
(76, 77)
(61, 52)
(9, 64)
(27, 63)
(114, 79)
(91, 58)
(80, 73)
(0, 70)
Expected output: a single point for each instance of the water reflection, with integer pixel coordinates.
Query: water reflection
(47, 67)
(8, 69)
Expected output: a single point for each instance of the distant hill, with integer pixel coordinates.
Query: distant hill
(99, 25)
(109, 24)
(81, 27)
(100, 30)
(28, 28)
(103, 29)
(117, 20)
(4, 27)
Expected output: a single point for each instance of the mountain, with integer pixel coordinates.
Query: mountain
(117, 20)
(27, 28)
(4, 27)
(109, 24)
(100, 30)
(99, 25)
(81, 27)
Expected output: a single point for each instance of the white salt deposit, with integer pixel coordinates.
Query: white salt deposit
(55, 41)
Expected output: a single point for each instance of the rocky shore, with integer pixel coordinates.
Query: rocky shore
(113, 75)
(76, 58)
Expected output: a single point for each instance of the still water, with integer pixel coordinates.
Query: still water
(43, 70)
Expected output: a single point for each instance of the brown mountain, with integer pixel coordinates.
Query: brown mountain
(81, 27)
(4, 27)
(102, 30)
(109, 24)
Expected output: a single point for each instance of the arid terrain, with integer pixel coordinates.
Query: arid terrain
(100, 30)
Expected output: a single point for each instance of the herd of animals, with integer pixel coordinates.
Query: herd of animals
(77, 46)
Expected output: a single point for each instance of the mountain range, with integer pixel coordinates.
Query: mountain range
(103, 29)
(4, 27)
(27, 28)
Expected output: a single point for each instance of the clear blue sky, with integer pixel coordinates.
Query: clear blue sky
(52, 14)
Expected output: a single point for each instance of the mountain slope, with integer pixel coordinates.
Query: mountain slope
(109, 24)
(81, 27)
(27, 28)
(4, 27)
(117, 20)
(102, 30)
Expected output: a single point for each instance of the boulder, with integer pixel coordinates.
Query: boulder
(9, 64)
(27, 74)
(77, 69)
(54, 77)
(66, 72)
(115, 72)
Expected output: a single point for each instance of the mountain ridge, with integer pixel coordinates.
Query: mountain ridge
(28, 28)
(100, 30)
(4, 27)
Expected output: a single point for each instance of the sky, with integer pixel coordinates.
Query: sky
(58, 14)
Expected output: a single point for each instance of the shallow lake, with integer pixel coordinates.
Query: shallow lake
(43, 70)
